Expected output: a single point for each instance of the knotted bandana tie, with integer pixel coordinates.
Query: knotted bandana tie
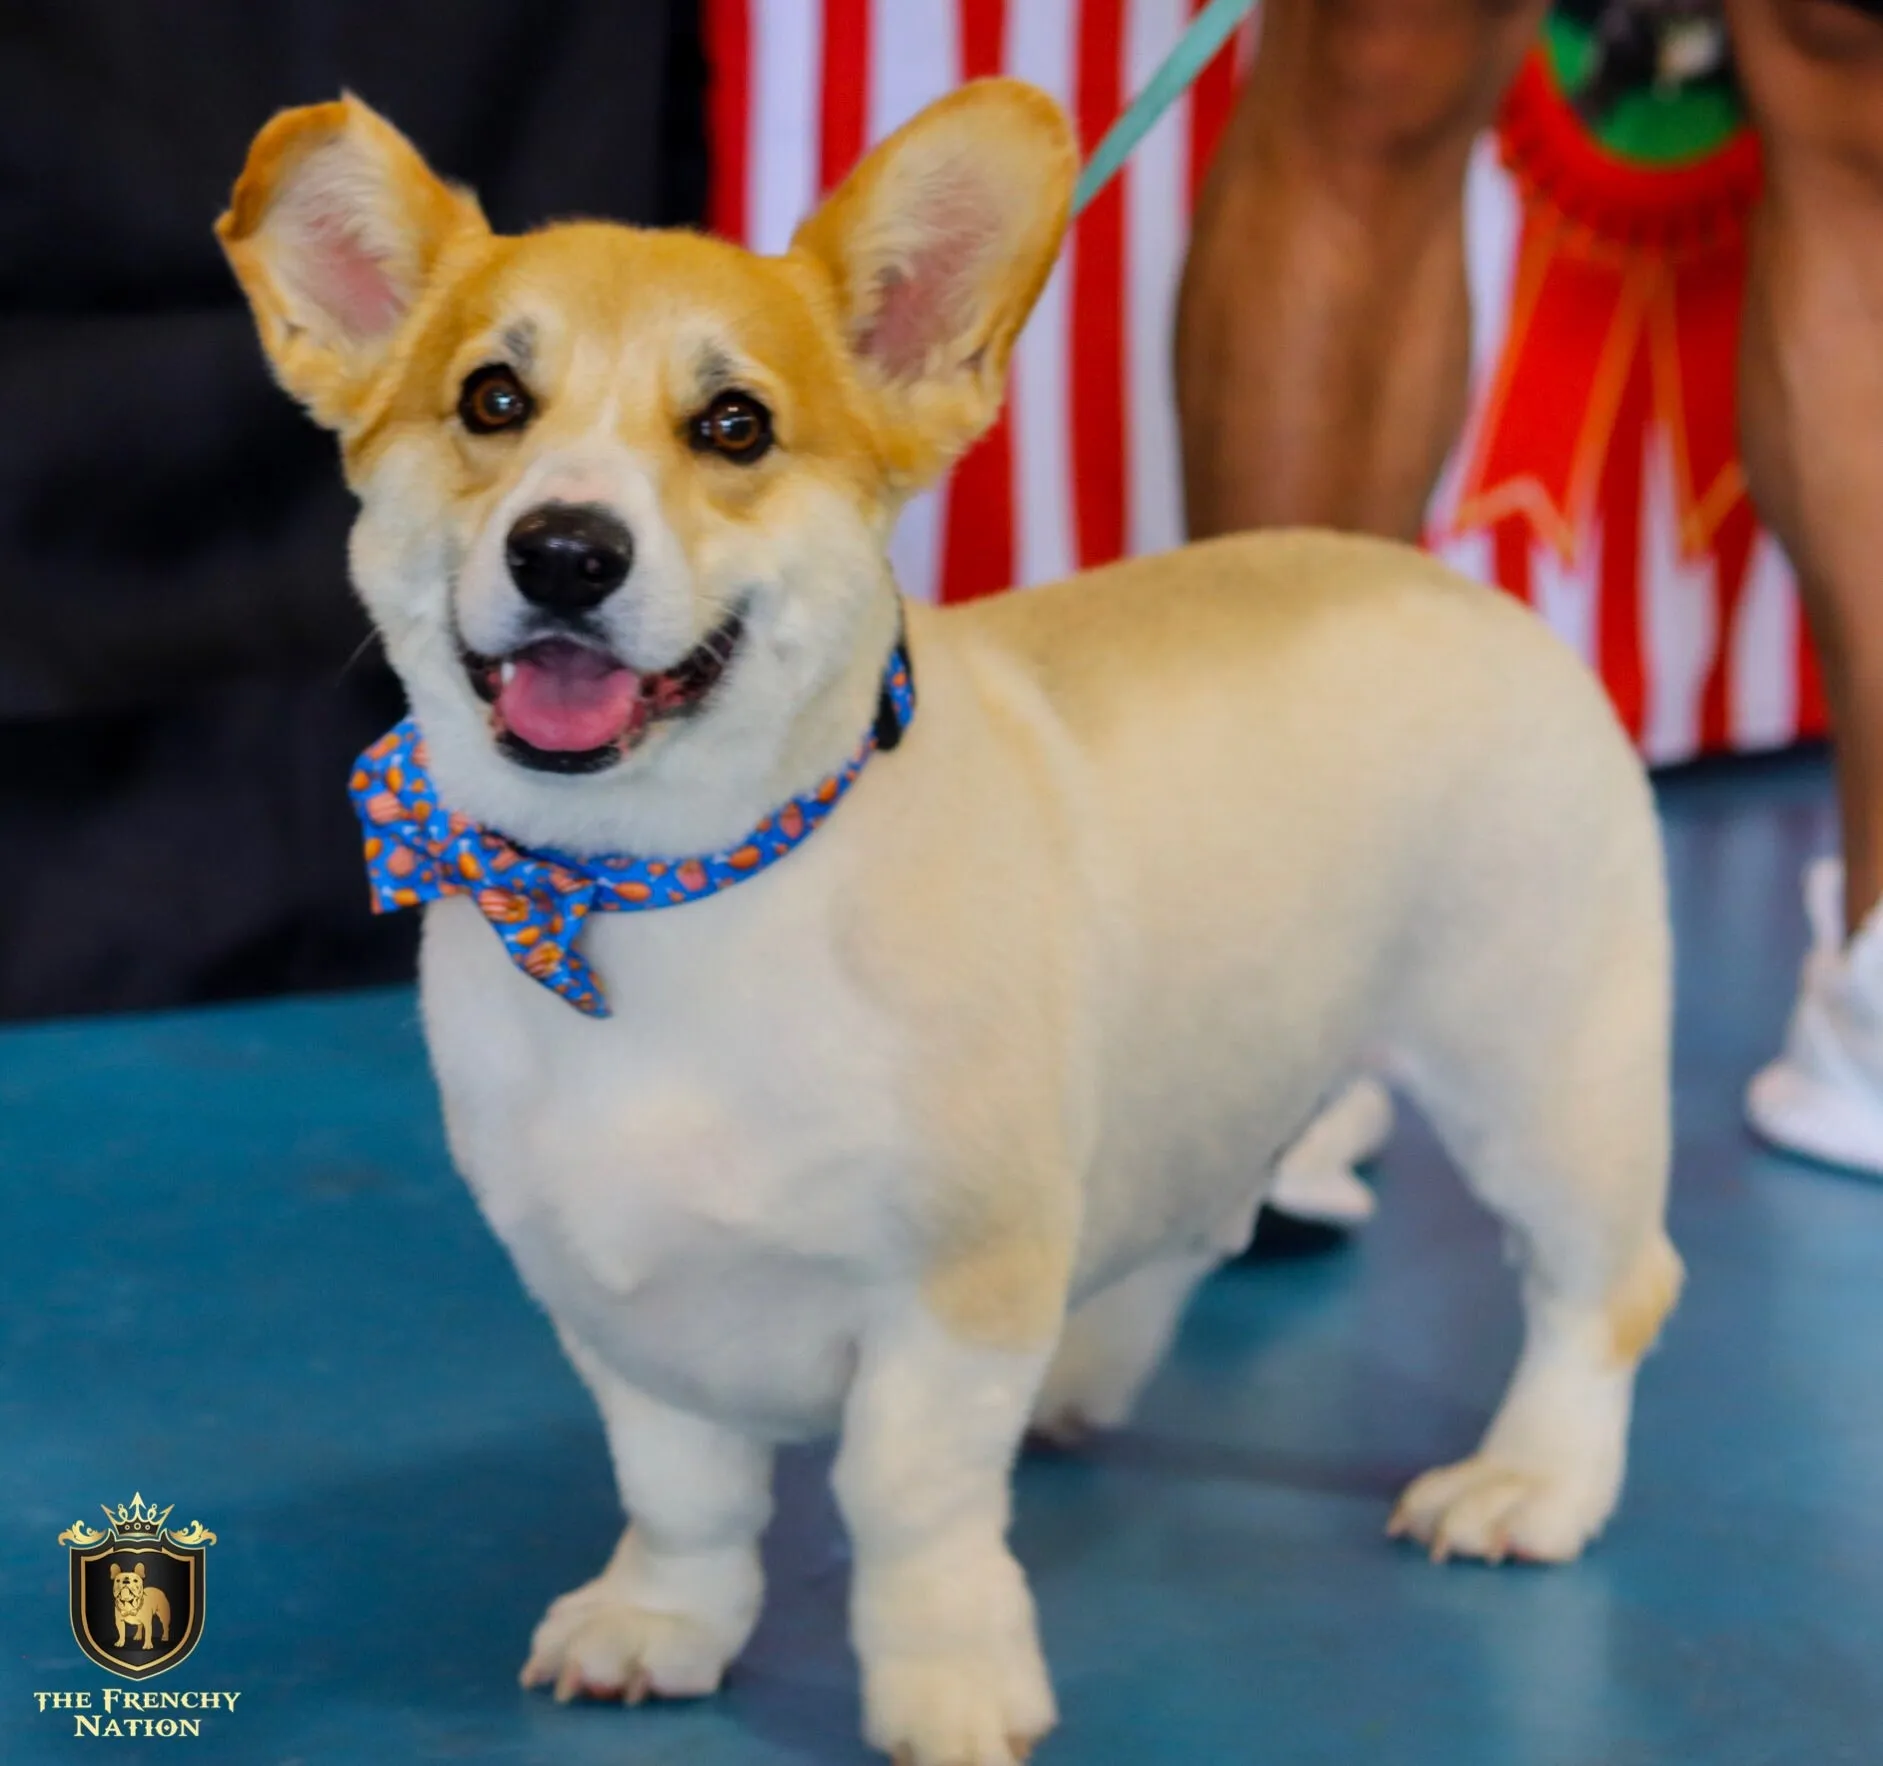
(537, 901)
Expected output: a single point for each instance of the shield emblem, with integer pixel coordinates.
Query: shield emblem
(137, 1589)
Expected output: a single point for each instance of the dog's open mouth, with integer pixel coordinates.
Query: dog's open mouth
(565, 705)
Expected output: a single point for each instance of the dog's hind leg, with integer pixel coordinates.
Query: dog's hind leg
(679, 1597)
(1547, 1077)
(1111, 1346)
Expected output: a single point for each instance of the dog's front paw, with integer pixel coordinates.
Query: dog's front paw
(1488, 1508)
(966, 1710)
(596, 1643)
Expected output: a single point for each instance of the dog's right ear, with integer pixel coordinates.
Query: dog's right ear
(335, 228)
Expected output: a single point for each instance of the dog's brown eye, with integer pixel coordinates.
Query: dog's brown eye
(734, 425)
(493, 398)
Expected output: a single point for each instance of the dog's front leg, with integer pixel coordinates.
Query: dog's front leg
(940, 1613)
(680, 1595)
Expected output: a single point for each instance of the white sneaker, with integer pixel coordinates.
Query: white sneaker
(1315, 1179)
(1823, 1097)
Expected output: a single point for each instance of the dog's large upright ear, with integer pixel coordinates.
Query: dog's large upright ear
(938, 245)
(335, 227)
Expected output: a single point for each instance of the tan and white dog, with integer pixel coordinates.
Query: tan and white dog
(929, 1130)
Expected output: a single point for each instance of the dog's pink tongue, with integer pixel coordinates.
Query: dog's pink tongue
(565, 698)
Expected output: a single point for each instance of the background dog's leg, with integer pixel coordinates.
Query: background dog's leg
(1553, 1099)
(680, 1596)
(940, 1613)
(1111, 1346)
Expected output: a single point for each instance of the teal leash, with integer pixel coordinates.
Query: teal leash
(1207, 33)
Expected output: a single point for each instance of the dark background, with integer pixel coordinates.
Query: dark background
(184, 675)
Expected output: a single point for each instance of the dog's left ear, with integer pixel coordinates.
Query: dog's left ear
(938, 244)
(334, 230)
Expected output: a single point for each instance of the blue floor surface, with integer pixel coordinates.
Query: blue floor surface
(238, 1275)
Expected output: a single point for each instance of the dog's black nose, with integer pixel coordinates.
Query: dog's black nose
(568, 557)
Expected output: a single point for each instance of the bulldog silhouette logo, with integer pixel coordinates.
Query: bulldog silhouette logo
(137, 1588)
(139, 1605)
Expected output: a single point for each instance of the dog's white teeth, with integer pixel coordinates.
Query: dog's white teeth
(507, 672)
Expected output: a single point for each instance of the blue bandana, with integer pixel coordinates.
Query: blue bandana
(537, 901)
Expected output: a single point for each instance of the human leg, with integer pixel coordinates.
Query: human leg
(1811, 419)
(1324, 328)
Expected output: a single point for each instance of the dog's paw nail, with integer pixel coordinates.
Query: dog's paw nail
(637, 1688)
(568, 1684)
(1059, 1435)
(1065, 1431)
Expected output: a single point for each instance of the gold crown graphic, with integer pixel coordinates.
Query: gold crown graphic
(140, 1520)
(135, 1523)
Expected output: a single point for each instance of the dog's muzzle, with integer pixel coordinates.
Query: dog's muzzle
(568, 704)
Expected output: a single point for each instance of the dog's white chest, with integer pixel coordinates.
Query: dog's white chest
(699, 1188)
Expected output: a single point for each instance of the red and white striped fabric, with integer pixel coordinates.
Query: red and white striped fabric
(1699, 652)
(1083, 465)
